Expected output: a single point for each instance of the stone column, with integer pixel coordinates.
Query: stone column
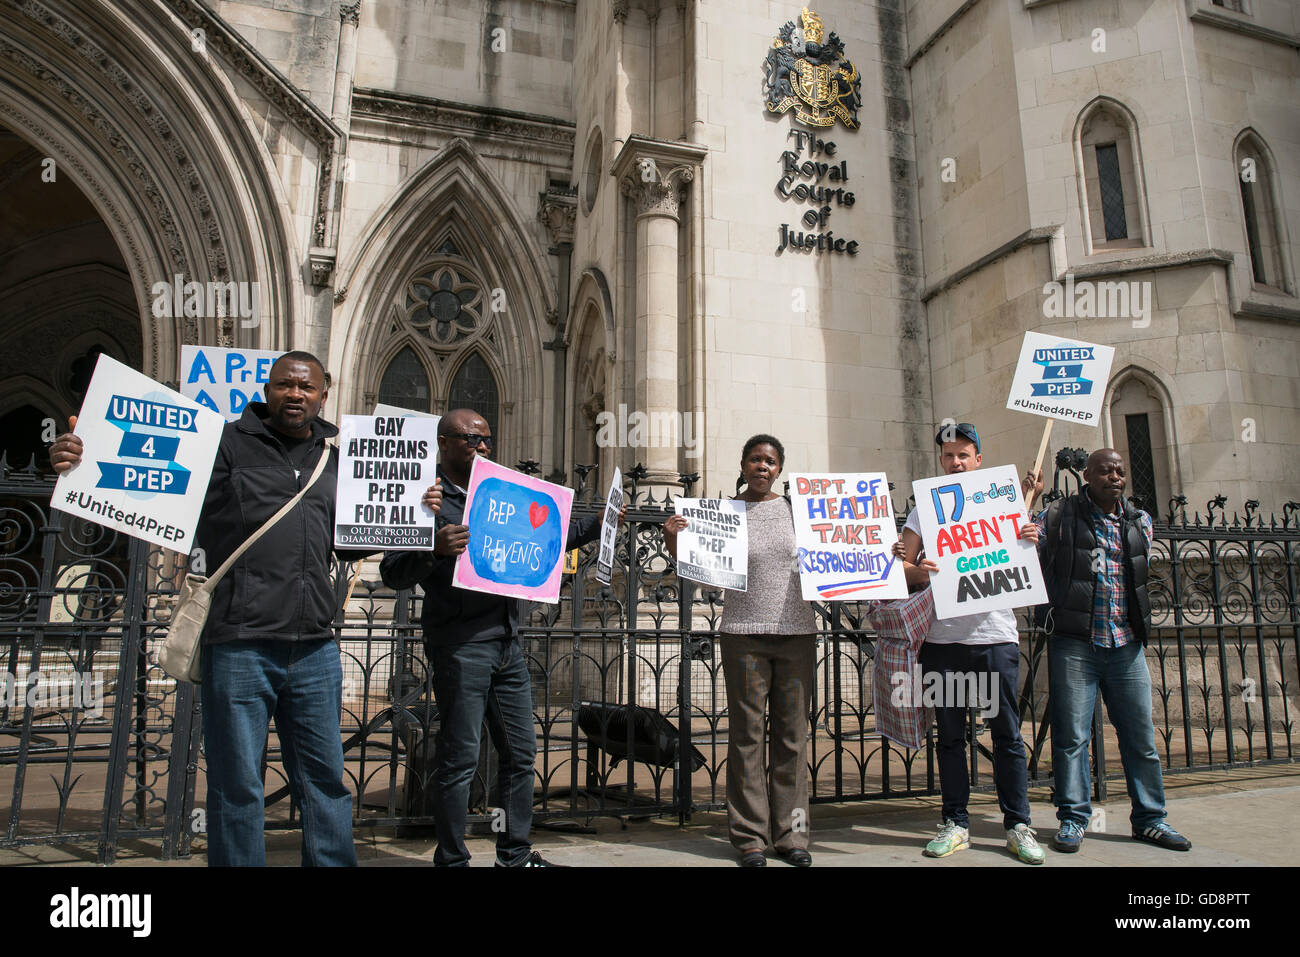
(654, 175)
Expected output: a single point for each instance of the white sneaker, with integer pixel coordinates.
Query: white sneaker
(1022, 842)
(951, 839)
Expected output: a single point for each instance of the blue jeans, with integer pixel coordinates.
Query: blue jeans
(474, 680)
(1078, 670)
(998, 663)
(300, 684)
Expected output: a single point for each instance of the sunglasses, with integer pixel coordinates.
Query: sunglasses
(472, 440)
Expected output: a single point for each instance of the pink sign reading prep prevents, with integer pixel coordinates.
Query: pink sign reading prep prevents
(517, 529)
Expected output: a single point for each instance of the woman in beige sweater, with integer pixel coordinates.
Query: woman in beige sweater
(768, 639)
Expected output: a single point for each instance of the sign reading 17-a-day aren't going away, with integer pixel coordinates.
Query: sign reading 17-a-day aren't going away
(970, 524)
(1061, 378)
(146, 459)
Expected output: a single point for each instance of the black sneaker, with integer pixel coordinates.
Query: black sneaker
(1162, 835)
(533, 860)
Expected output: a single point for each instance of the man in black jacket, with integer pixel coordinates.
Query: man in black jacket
(268, 648)
(472, 642)
(1094, 548)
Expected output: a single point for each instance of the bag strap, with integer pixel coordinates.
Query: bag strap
(287, 507)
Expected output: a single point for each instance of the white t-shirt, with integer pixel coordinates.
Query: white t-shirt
(986, 628)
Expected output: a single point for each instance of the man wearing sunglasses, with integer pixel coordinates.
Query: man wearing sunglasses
(479, 672)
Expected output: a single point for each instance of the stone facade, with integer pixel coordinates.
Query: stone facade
(572, 211)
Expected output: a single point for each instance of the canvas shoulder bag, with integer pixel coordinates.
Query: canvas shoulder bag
(179, 655)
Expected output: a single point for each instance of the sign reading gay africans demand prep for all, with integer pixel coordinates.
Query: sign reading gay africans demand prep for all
(970, 524)
(225, 380)
(713, 549)
(518, 526)
(1061, 378)
(845, 532)
(146, 458)
(385, 464)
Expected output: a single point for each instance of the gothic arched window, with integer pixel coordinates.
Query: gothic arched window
(405, 383)
(474, 387)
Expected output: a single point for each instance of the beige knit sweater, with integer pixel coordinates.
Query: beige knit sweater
(772, 604)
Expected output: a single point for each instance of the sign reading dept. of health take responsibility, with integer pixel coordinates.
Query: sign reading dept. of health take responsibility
(225, 380)
(844, 531)
(1061, 378)
(146, 458)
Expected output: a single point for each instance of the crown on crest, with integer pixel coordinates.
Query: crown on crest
(812, 26)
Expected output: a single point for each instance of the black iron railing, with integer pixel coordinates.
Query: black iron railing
(627, 684)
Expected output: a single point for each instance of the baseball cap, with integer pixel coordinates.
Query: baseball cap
(950, 433)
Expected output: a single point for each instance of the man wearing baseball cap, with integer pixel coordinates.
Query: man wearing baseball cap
(971, 645)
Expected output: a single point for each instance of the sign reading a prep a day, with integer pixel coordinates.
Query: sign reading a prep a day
(713, 549)
(970, 524)
(845, 531)
(518, 526)
(385, 464)
(1061, 378)
(225, 380)
(609, 529)
(146, 458)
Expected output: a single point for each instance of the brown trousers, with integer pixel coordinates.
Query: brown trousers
(768, 805)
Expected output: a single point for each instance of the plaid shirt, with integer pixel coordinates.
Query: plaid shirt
(1110, 627)
(901, 626)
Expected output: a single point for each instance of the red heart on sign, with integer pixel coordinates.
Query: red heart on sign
(537, 513)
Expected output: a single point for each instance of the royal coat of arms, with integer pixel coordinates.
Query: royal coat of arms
(811, 74)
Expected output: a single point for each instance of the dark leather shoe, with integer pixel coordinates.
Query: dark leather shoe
(797, 858)
(753, 859)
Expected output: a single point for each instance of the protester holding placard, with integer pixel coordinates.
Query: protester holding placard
(1095, 551)
(768, 639)
(267, 646)
(472, 641)
(972, 661)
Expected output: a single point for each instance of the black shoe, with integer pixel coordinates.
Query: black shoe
(753, 859)
(796, 858)
(533, 860)
(1162, 835)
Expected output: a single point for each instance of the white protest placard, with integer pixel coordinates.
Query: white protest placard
(397, 410)
(845, 531)
(225, 380)
(970, 524)
(146, 458)
(385, 465)
(1061, 378)
(609, 529)
(713, 549)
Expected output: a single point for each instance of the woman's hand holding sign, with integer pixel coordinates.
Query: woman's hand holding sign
(66, 450)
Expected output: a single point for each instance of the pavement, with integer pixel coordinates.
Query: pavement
(1235, 818)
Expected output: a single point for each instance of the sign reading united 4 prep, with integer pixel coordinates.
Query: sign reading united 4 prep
(146, 458)
(225, 380)
(517, 529)
(970, 524)
(1061, 378)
